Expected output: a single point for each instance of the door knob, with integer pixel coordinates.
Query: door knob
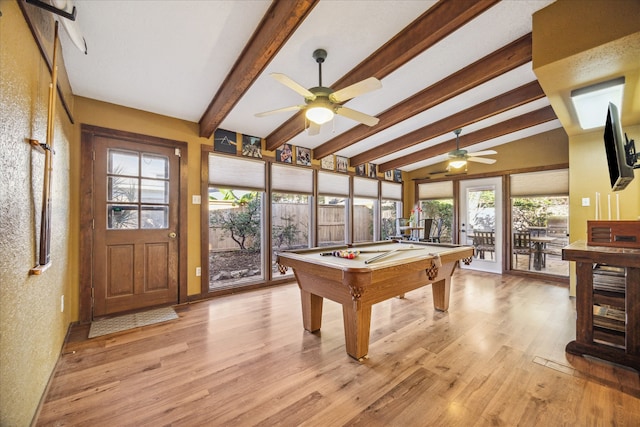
(172, 235)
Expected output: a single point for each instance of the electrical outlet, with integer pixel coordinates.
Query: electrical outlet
(196, 199)
(61, 303)
(198, 271)
(586, 201)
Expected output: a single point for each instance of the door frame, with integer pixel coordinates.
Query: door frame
(498, 183)
(85, 259)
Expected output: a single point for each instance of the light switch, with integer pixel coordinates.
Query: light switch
(586, 201)
(195, 199)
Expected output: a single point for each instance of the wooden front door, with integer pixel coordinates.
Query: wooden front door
(135, 225)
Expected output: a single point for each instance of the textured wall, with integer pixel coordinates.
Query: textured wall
(32, 328)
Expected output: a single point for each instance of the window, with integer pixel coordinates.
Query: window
(235, 255)
(333, 198)
(137, 190)
(539, 221)
(363, 219)
(436, 201)
(365, 204)
(291, 199)
(390, 208)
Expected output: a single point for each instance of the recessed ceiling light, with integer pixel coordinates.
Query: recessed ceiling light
(591, 102)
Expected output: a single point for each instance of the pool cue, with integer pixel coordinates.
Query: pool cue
(44, 257)
(373, 251)
(376, 258)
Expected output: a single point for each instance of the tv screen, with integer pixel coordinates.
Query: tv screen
(620, 173)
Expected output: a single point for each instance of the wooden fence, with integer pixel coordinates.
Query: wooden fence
(331, 225)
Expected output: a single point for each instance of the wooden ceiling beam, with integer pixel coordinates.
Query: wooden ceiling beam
(505, 59)
(515, 124)
(277, 25)
(436, 23)
(506, 101)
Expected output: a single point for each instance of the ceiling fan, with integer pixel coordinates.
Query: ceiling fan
(458, 158)
(321, 102)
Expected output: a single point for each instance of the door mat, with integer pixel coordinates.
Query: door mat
(131, 321)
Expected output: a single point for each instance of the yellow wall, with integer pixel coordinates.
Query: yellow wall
(588, 174)
(32, 327)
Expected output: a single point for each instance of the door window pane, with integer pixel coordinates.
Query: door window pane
(154, 217)
(121, 189)
(154, 166)
(481, 222)
(154, 191)
(123, 163)
(121, 217)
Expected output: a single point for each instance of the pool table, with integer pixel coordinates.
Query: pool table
(358, 283)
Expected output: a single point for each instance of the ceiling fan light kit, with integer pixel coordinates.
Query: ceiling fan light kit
(457, 164)
(458, 158)
(319, 115)
(322, 103)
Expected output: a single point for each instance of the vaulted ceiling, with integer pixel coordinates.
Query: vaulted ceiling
(443, 65)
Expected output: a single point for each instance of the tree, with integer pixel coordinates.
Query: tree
(242, 222)
(286, 234)
(535, 211)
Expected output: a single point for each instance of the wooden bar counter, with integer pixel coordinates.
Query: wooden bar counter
(607, 280)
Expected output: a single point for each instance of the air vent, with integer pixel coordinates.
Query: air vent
(601, 235)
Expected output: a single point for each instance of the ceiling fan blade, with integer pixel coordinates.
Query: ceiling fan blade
(481, 160)
(356, 89)
(313, 128)
(280, 110)
(357, 116)
(482, 153)
(288, 82)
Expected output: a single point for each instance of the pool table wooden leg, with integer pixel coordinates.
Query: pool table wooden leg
(357, 323)
(311, 311)
(441, 290)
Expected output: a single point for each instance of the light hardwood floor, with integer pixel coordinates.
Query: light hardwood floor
(496, 358)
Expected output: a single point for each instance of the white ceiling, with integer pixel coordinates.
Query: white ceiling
(170, 58)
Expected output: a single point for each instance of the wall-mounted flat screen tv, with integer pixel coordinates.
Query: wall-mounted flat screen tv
(616, 146)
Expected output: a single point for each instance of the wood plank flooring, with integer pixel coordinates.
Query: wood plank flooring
(496, 358)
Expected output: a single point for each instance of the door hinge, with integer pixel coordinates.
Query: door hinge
(178, 152)
(93, 224)
(93, 155)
